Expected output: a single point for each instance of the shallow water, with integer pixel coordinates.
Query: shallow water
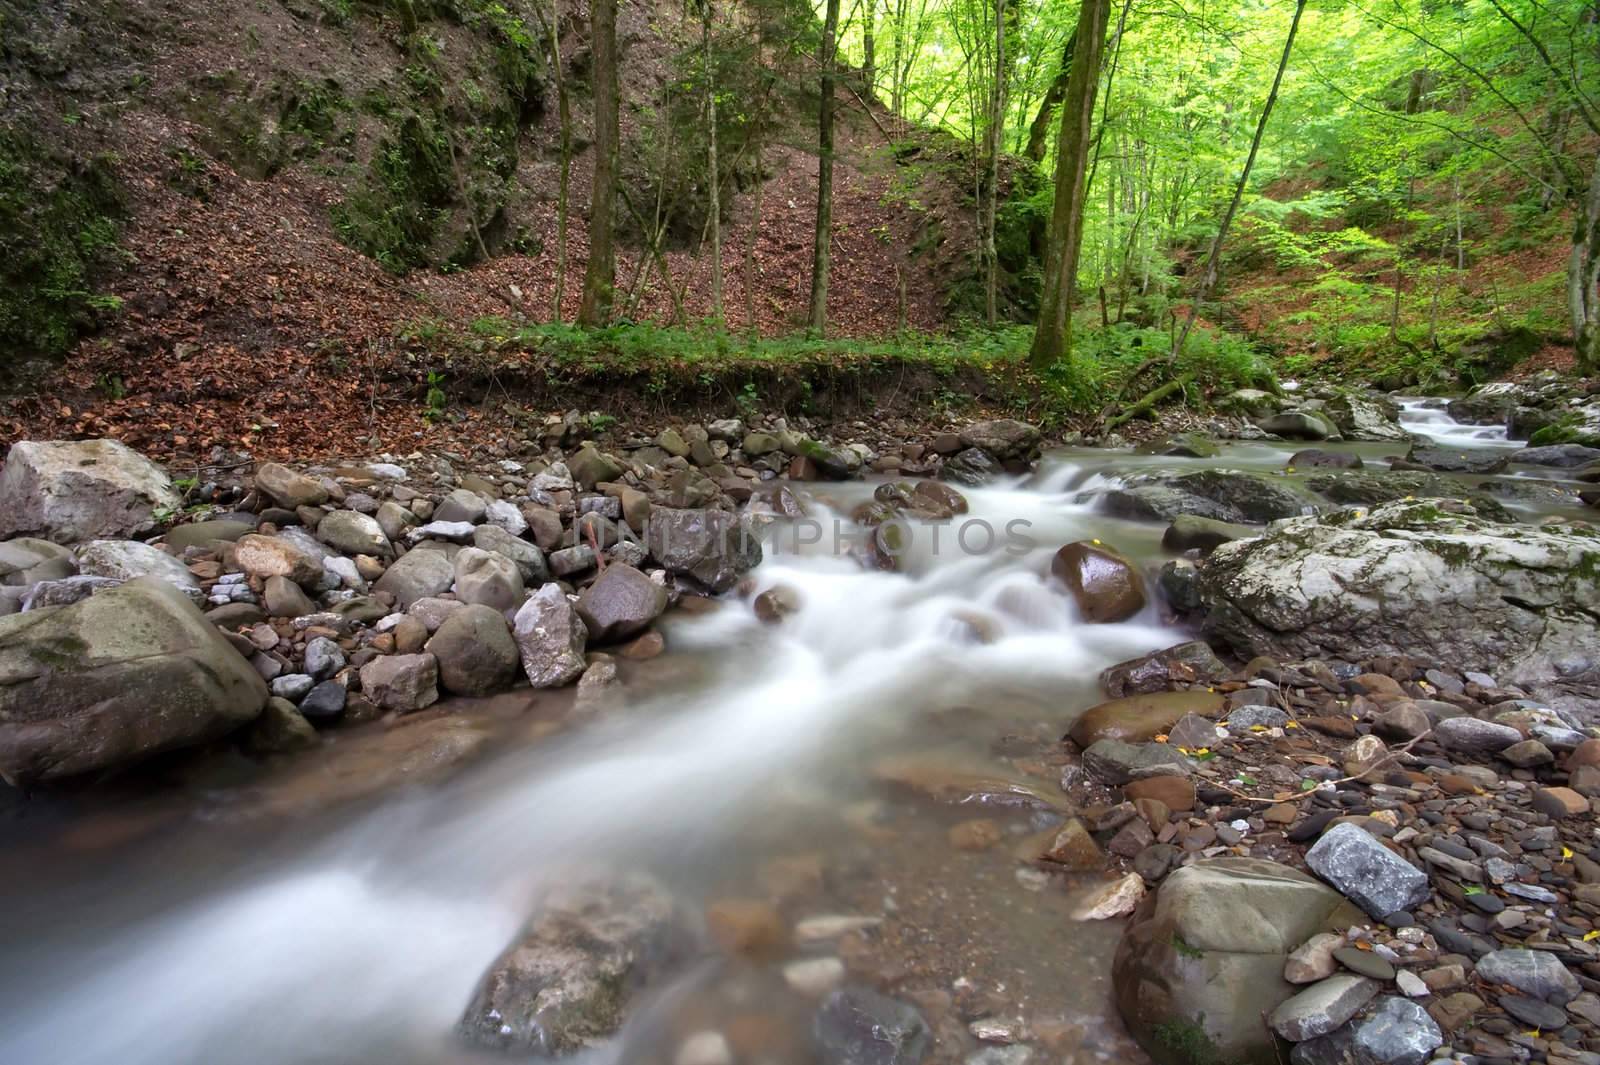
(357, 935)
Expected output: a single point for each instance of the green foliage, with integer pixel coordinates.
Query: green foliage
(435, 399)
(58, 225)
(394, 214)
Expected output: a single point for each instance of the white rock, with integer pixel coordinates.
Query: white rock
(831, 926)
(1116, 899)
(814, 976)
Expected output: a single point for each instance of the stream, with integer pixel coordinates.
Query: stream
(788, 762)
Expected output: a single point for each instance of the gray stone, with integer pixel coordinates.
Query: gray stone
(452, 532)
(291, 686)
(401, 682)
(323, 658)
(475, 650)
(1116, 762)
(567, 982)
(67, 491)
(713, 547)
(488, 579)
(620, 603)
(1207, 957)
(1533, 972)
(1396, 1031)
(417, 575)
(284, 598)
(1367, 872)
(461, 506)
(201, 533)
(280, 729)
(78, 683)
(395, 520)
(858, 1026)
(1456, 460)
(972, 467)
(1560, 455)
(572, 560)
(1004, 438)
(288, 488)
(1322, 1007)
(354, 534)
(550, 637)
(325, 702)
(1248, 717)
(1221, 495)
(1413, 579)
(1296, 425)
(1474, 736)
(529, 559)
(126, 560)
(1156, 672)
(590, 466)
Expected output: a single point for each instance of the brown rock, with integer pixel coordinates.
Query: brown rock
(976, 835)
(1072, 848)
(746, 926)
(1106, 586)
(1560, 802)
(1585, 753)
(1176, 793)
(1141, 717)
(649, 645)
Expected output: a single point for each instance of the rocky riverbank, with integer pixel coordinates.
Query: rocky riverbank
(1350, 821)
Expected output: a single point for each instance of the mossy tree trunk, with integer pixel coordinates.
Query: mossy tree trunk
(822, 248)
(599, 279)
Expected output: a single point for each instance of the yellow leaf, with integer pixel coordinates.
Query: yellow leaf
(1589, 937)
(1291, 724)
(1566, 852)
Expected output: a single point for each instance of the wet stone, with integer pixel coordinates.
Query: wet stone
(1364, 962)
(859, 1026)
(1531, 1011)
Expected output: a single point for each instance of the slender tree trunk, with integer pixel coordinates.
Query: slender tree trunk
(869, 48)
(1213, 270)
(1039, 131)
(818, 318)
(1583, 278)
(1052, 341)
(599, 279)
(992, 142)
(714, 204)
(564, 110)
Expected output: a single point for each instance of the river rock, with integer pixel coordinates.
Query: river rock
(201, 533)
(1373, 489)
(354, 534)
(1473, 736)
(1396, 1031)
(1365, 417)
(1533, 972)
(475, 651)
(566, 984)
(589, 466)
(288, 488)
(1562, 456)
(79, 685)
(1297, 425)
(275, 556)
(1204, 957)
(1456, 460)
(712, 546)
(620, 603)
(550, 637)
(66, 491)
(1409, 579)
(1004, 438)
(418, 574)
(1222, 495)
(1366, 872)
(1106, 586)
(858, 1026)
(1322, 1007)
(401, 682)
(529, 559)
(1116, 762)
(488, 579)
(126, 560)
(1141, 717)
(1191, 532)
(1158, 672)
(972, 467)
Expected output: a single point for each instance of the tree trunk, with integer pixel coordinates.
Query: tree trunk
(1052, 341)
(818, 318)
(1213, 270)
(599, 279)
(1039, 131)
(869, 49)
(992, 140)
(1583, 279)
(564, 109)
(714, 202)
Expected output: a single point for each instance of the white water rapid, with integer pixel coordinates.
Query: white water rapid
(362, 942)
(1429, 418)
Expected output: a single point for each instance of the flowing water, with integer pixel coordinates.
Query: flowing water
(215, 927)
(1429, 418)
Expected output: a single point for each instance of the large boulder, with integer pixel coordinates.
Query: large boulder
(131, 672)
(1136, 718)
(26, 561)
(712, 546)
(551, 638)
(1371, 488)
(1455, 460)
(568, 981)
(1413, 579)
(475, 651)
(1362, 417)
(126, 560)
(621, 602)
(1201, 963)
(71, 490)
(1223, 495)
(1004, 438)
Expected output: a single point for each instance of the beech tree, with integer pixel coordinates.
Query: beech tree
(599, 279)
(822, 248)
